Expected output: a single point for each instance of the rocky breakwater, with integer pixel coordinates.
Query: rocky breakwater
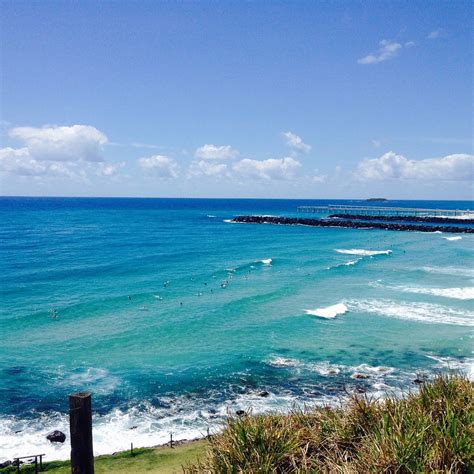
(426, 219)
(349, 224)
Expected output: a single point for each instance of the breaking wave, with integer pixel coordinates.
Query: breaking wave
(329, 312)
(414, 311)
(363, 253)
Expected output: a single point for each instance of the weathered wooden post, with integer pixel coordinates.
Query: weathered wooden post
(80, 425)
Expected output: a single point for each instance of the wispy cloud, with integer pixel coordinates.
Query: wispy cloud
(435, 34)
(215, 152)
(146, 145)
(387, 50)
(296, 142)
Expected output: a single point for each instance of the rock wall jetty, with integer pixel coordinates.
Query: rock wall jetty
(427, 219)
(349, 224)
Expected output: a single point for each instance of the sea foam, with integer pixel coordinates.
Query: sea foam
(363, 252)
(456, 237)
(455, 271)
(414, 311)
(466, 293)
(330, 312)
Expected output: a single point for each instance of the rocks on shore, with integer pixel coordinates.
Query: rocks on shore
(56, 436)
(357, 375)
(263, 394)
(240, 413)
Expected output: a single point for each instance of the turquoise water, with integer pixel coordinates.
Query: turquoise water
(173, 317)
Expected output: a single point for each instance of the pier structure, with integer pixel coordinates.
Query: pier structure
(384, 211)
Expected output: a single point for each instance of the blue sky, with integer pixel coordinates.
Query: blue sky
(233, 99)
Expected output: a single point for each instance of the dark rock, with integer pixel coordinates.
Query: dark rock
(264, 393)
(418, 381)
(352, 224)
(56, 436)
(5, 464)
(240, 412)
(426, 219)
(360, 376)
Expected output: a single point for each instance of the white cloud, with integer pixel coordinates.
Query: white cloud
(435, 34)
(160, 165)
(73, 152)
(458, 167)
(410, 44)
(387, 50)
(206, 168)
(19, 162)
(53, 143)
(319, 178)
(214, 152)
(376, 143)
(109, 169)
(294, 141)
(267, 169)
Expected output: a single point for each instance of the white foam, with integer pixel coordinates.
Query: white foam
(112, 432)
(283, 362)
(468, 215)
(96, 379)
(211, 216)
(414, 311)
(267, 261)
(363, 252)
(456, 237)
(329, 312)
(346, 264)
(455, 271)
(466, 293)
(465, 366)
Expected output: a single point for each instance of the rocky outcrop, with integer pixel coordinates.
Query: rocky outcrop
(56, 436)
(347, 224)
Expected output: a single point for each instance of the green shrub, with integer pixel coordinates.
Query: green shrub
(428, 431)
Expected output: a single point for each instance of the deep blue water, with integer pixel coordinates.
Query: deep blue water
(173, 316)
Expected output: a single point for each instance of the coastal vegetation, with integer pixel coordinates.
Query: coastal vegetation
(428, 430)
(431, 430)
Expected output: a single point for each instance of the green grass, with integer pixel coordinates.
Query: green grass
(431, 430)
(428, 431)
(147, 460)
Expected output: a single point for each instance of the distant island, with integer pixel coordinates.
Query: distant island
(376, 199)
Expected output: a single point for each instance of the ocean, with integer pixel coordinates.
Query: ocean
(174, 317)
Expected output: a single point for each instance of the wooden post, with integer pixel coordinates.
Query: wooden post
(80, 425)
